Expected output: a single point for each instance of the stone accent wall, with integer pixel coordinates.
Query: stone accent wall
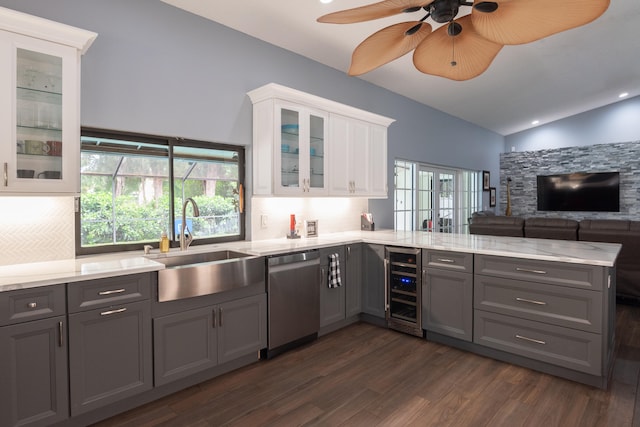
(523, 167)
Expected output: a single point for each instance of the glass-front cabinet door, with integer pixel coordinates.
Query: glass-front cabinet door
(40, 145)
(301, 162)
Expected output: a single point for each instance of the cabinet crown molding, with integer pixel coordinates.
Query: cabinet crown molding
(276, 91)
(40, 28)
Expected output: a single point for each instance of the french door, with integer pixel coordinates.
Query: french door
(436, 199)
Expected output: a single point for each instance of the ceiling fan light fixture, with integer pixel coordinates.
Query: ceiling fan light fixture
(411, 31)
(486, 6)
(454, 29)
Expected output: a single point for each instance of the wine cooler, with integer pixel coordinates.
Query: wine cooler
(403, 290)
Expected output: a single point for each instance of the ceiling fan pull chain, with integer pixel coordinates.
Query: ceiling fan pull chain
(453, 49)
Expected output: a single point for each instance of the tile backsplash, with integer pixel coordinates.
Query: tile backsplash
(36, 229)
(334, 214)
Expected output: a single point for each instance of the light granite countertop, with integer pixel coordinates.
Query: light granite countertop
(21, 276)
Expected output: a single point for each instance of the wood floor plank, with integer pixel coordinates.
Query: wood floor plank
(364, 375)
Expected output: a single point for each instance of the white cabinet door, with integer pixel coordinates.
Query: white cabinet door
(39, 107)
(339, 175)
(378, 161)
(300, 142)
(358, 161)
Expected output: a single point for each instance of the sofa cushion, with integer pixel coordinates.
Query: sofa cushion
(604, 224)
(497, 226)
(551, 228)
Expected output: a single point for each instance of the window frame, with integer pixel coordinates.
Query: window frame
(170, 143)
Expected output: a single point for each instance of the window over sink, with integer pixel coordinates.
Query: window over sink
(133, 188)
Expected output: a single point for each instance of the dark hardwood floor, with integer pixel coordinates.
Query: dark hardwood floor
(364, 375)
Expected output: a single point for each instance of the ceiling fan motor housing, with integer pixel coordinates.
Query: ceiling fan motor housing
(444, 10)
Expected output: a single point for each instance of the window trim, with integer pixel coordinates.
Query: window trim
(170, 142)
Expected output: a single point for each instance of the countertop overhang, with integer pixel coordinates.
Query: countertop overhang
(21, 276)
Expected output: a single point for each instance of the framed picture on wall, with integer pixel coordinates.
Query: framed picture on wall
(486, 180)
(492, 196)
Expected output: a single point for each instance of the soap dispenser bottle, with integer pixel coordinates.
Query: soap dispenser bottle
(164, 243)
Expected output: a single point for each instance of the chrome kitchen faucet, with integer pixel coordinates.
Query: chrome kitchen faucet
(184, 241)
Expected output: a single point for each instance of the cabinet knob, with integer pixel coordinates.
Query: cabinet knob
(32, 305)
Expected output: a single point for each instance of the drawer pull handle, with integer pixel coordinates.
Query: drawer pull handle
(119, 310)
(527, 270)
(520, 337)
(531, 301)
(453, 261)
(115, 291)
(32, 305)
(60, 334)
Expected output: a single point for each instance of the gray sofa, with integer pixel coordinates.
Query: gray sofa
(628, 264)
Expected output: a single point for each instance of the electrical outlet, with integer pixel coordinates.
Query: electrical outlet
(264, 221)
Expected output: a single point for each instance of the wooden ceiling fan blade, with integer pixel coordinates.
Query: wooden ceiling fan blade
(386, 45)
(523, 21)
(372, 11)
(461, 57)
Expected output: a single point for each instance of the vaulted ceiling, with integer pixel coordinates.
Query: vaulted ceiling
(556, 77)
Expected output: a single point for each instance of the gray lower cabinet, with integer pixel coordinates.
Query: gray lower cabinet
(110, 350)
(109, 355)
(353, 303)
(33, 373)
(447, 303)
(332, 300)
(447, 293)
(373, 276)
(546, 311)
(192, 341)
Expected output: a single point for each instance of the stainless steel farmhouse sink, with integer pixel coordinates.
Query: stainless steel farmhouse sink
(196, 274)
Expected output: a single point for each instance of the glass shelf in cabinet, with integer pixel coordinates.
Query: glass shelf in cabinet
(35, 91)
(40, 128)
(39, 155)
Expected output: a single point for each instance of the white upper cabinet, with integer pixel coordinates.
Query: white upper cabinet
(304, 145)
(40, 104)
(358, 161)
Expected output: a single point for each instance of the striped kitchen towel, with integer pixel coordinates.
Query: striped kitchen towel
(334, 271)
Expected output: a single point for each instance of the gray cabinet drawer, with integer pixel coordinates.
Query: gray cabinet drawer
(32, 304)
(554, 273)
(558, 305)
(109, 291)
(458, 261)
(570, 348)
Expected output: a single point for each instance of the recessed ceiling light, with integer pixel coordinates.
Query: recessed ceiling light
(325, 1)
(535, 122)
(623, 95)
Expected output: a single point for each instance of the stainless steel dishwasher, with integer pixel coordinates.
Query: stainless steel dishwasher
(293, 295)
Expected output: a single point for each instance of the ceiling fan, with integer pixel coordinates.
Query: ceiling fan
(464, 47)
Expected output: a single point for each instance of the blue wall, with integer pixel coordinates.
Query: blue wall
(619, 122)
(157, 69)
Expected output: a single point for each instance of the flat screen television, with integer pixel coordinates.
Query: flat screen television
(581, 191)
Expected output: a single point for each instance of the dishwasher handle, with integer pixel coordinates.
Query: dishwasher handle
(293, 258)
